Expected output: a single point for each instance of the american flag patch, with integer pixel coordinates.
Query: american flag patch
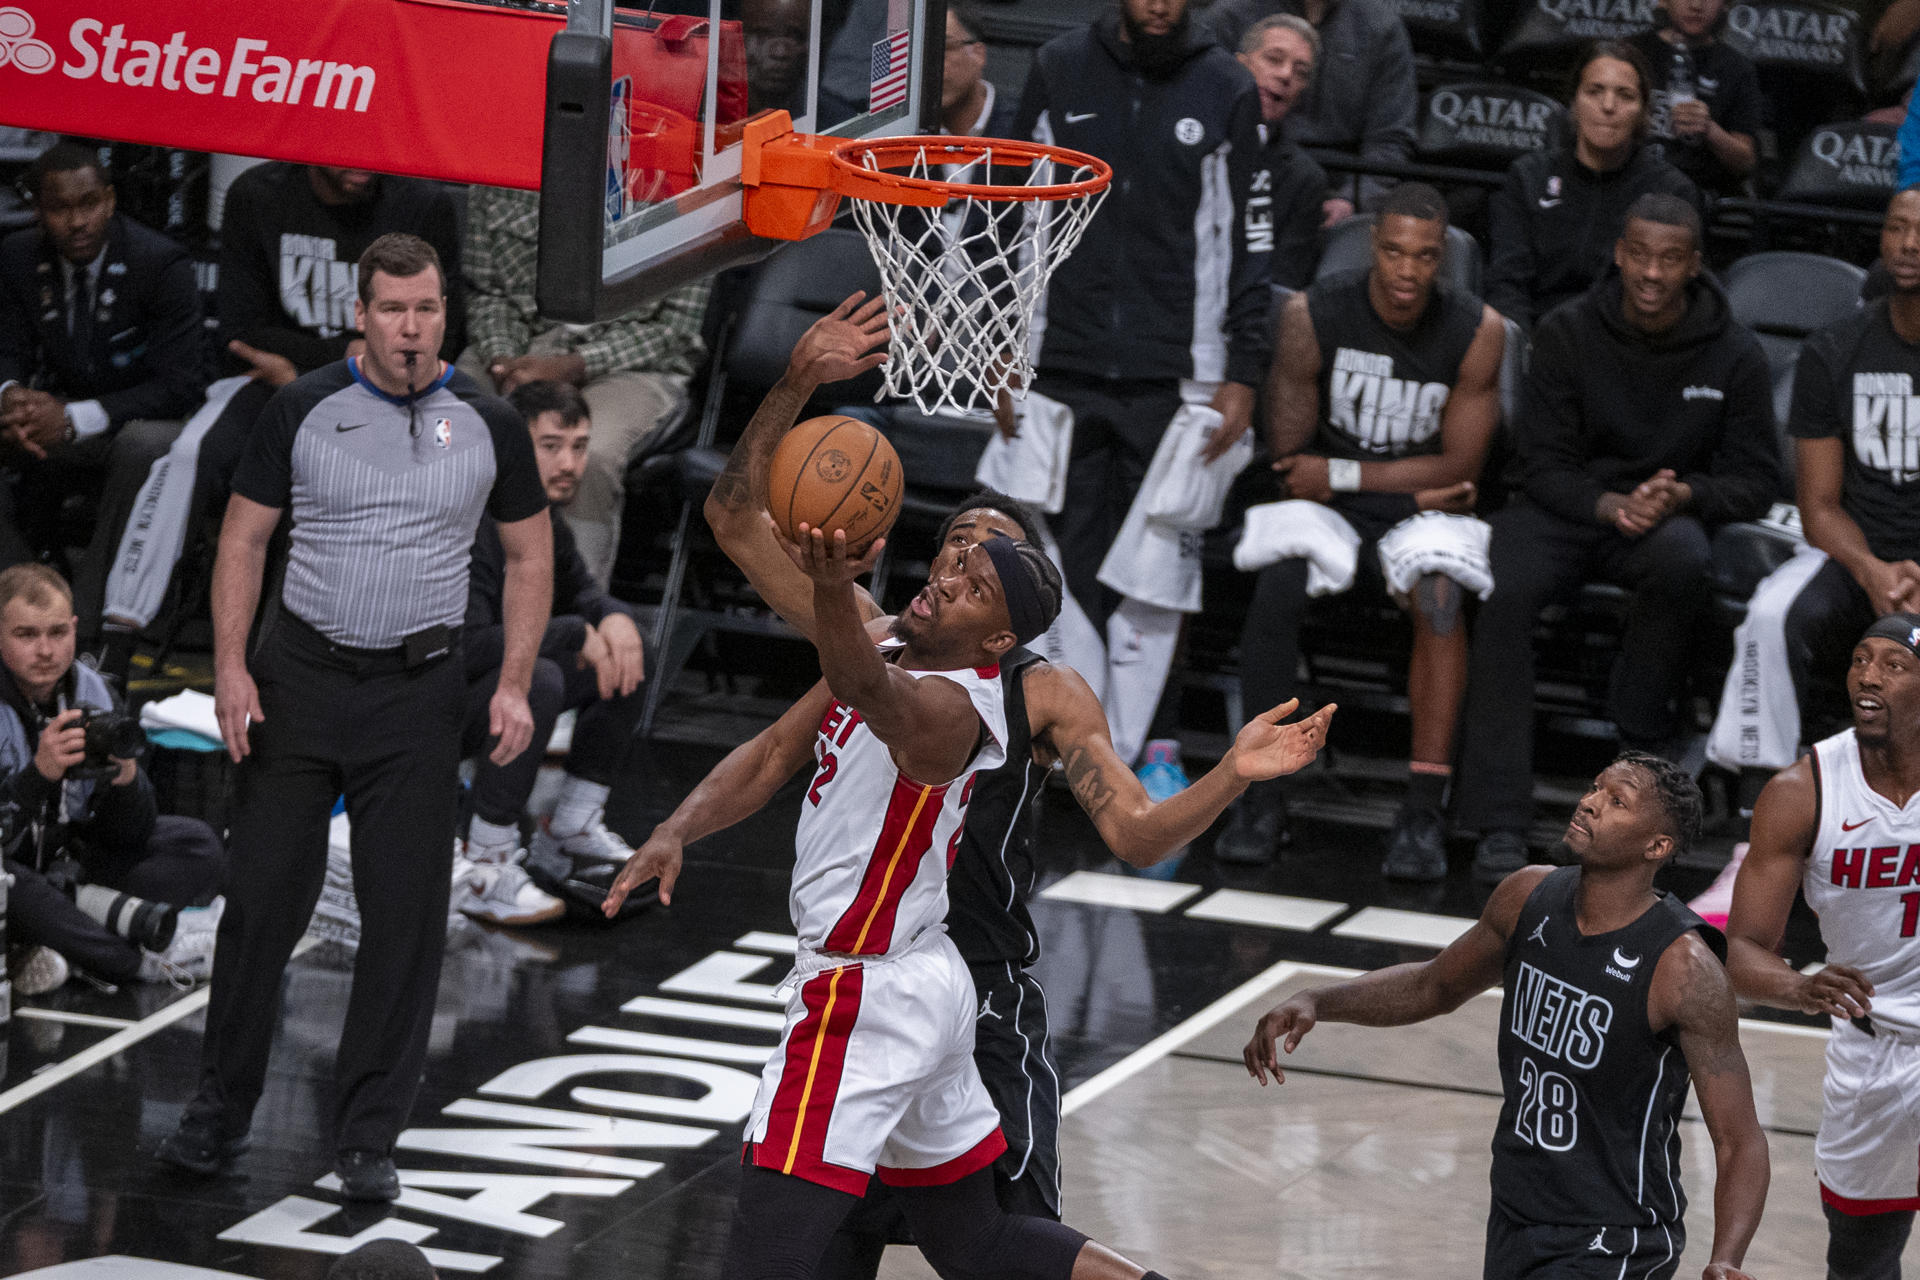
(888, 79)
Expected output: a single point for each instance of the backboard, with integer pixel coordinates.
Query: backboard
(641, 189)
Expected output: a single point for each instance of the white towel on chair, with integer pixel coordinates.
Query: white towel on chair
(1435, 542)
(1154, 563)
(1033, 465)
(1182, 491)
(1301, 530)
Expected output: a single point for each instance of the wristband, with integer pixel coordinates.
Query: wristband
(1343, 475)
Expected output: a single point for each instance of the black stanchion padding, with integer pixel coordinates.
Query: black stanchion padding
(1818, 41)
(1853, 165)
(1487, 125)
(1549, 35)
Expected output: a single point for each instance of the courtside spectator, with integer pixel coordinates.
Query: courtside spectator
(1168, 287)
(1707, 107)
(590, 661)
(1859, 498)
(291, 237)
(99, 876)
(1280, 52)
(101, 356)
(1648, 420)
(969, 104)
(1384, 397)
(1558, 215)
(1363, 99)
(633, 369)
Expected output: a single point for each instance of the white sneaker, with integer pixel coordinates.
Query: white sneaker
(594, 841)
(39, 970)
(187, 960)
(1714, 905)
(502, 893)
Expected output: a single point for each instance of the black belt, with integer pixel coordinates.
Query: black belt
(418, 650)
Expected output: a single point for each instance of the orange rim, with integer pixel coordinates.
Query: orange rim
(852, 177)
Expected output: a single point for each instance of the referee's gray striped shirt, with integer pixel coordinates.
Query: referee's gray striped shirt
(385, 503)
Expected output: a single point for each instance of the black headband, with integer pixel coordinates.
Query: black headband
(1901, 628)
(1024, 610)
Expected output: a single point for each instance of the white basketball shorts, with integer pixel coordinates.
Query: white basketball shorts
(875, 1073)
(1868, 1149)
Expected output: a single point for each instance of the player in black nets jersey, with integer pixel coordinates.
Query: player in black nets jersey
(1052, 716)
(1606, 978)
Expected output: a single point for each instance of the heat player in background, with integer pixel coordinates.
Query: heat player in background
(1842, 826)
(1614, 1000)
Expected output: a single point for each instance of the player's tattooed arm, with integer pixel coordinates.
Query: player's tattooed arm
(1293, 384)
(1069, 720)
(1692, 993)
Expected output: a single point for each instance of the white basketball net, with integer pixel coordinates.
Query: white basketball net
(964, 280)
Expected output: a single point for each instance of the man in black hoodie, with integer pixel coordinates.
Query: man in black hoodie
(1648, 418)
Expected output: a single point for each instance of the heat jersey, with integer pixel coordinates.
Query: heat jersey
(1588, 1134)
(863, 880)
(1863, 880)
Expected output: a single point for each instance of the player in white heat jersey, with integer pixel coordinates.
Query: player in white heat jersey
(875, 1069)
(1843, 826)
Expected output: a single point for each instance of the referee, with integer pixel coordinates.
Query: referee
(356, 686)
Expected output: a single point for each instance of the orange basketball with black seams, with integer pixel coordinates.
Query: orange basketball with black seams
(835, 473)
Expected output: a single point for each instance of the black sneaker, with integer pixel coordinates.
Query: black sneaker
(200, 1146)
(1499, 855)
(1254, 830)
(1418, 850)
(366, 1175)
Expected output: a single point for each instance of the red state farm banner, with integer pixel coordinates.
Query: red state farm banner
(437, 88)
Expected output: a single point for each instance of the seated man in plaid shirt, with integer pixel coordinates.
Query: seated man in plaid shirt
(632, 370)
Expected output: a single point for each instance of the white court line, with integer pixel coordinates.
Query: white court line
(1265, 910)
(1098, 889)
(779, 944)
(67, 1068)
(1217, 1012)
(1416, 928)
(77, 1019)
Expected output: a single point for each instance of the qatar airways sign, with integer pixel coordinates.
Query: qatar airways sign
(245, 68)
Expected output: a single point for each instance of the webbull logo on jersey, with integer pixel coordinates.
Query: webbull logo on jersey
(109, 55)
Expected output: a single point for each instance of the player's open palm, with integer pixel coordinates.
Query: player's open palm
(657, 859)
(1280, 1029)
(844, 343)
(1266, 748)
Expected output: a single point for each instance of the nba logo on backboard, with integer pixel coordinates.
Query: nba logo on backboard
(443, 432)
(619, 148)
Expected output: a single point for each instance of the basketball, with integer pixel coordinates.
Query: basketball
(835, 473)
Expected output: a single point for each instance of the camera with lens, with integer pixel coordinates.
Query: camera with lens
(111, 735)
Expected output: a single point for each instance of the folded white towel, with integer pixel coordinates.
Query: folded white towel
(1033, 465)
(1180, 490)
(186, 710)
(1301, 530)
(1435, 542)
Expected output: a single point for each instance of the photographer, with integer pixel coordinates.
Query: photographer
(99, 878)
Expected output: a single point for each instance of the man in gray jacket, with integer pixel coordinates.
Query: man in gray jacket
(1362, 99)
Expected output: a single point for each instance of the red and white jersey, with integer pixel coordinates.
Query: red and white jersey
(1863, 880)
(863, 881)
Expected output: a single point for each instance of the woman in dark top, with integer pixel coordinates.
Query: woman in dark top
(1560, 210)
(1707, 107)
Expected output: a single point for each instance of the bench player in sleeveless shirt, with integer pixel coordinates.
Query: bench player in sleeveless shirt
(875, 1069)
(1614, 997)
(385, 463)
(1842, 826)
(1052, 716)
(1383, 400)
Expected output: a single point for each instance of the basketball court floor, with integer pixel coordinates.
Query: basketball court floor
(583, 1103)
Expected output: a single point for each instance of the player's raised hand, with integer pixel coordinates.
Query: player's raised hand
(1266, 748)
(1282, 1027)
(659, 858)
(825, 558)
(844, 343)
(1838, 989)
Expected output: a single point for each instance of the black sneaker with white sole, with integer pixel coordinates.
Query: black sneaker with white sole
(366, 1175)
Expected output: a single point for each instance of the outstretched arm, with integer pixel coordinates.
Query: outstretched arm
(841, 345)
(1139, 831)
(1783, 829)
(1692, 994)
(738, 786)
(1405, 993)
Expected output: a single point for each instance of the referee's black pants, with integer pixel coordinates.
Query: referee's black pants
(1539, 559)
(338, 720)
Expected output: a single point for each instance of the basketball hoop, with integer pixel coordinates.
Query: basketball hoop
(963, 260)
